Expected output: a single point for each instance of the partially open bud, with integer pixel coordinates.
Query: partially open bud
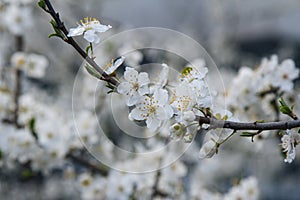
(208, 149)
(177, 131)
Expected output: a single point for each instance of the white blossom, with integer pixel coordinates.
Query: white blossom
(285, 74)
(246, 190)
(134, 86)
(36, 66)
(153, 109)
(289, 140)
(33, 65)
(183, 100)
(17, 19)
(89, 27)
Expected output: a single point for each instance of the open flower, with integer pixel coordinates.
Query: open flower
(288, 144)
(153, 109)
(89, 27)
(183, 100)
(134, 86)
(34, 65)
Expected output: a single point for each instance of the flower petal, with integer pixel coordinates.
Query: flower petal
(137, 114)
(161, 113)
(143, 79)
(76, 31)
(124, 88)
(161, 96)
(143, 90)
(152, 123)
(91, 36)
(100, 27)
(130, 75)
(132, 100)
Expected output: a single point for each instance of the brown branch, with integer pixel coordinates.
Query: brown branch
(102, 169)
(156, 192)
(72, 42)
(19, 46)
(282, 125)
(270, 91)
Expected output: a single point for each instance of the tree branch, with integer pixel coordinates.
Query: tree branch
(283, 125)
(19, 46)
(103, 170)
(73, 43)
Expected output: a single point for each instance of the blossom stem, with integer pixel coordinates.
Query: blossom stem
(260, 126)
(92, 51)
(74, 44)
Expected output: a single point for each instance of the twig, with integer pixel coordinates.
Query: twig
(103, 170)
(72, 42)
(260, 126)
(19, 46)
(155, 188)
(270, 91)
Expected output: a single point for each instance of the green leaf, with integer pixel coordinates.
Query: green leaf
(111, 87)
(247, 134)
(93, 72)
(284, 108)
(32, 128)
(88, 48)
(57, 31)
(26, 173)
(53, 23)
(54, 35)
(42, 4)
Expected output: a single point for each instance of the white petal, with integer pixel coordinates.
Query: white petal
(137, 114)
(161, 113)
(124, 88)
(169, 111)
(130, 75)
(132, 100)
(143, 90)
(76, 31)
(90, 36)
(143, 78)
(161, 96)
(117, 63)
(100, 27)
(152, 123)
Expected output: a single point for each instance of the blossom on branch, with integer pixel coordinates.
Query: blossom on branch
(153, 109)
(88, 28)
(289, 140)
(134, 86)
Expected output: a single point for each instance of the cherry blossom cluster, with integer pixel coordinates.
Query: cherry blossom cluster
(256, 91)
(180, 101)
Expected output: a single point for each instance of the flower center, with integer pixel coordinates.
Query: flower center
(135, 86)
(184, 103)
